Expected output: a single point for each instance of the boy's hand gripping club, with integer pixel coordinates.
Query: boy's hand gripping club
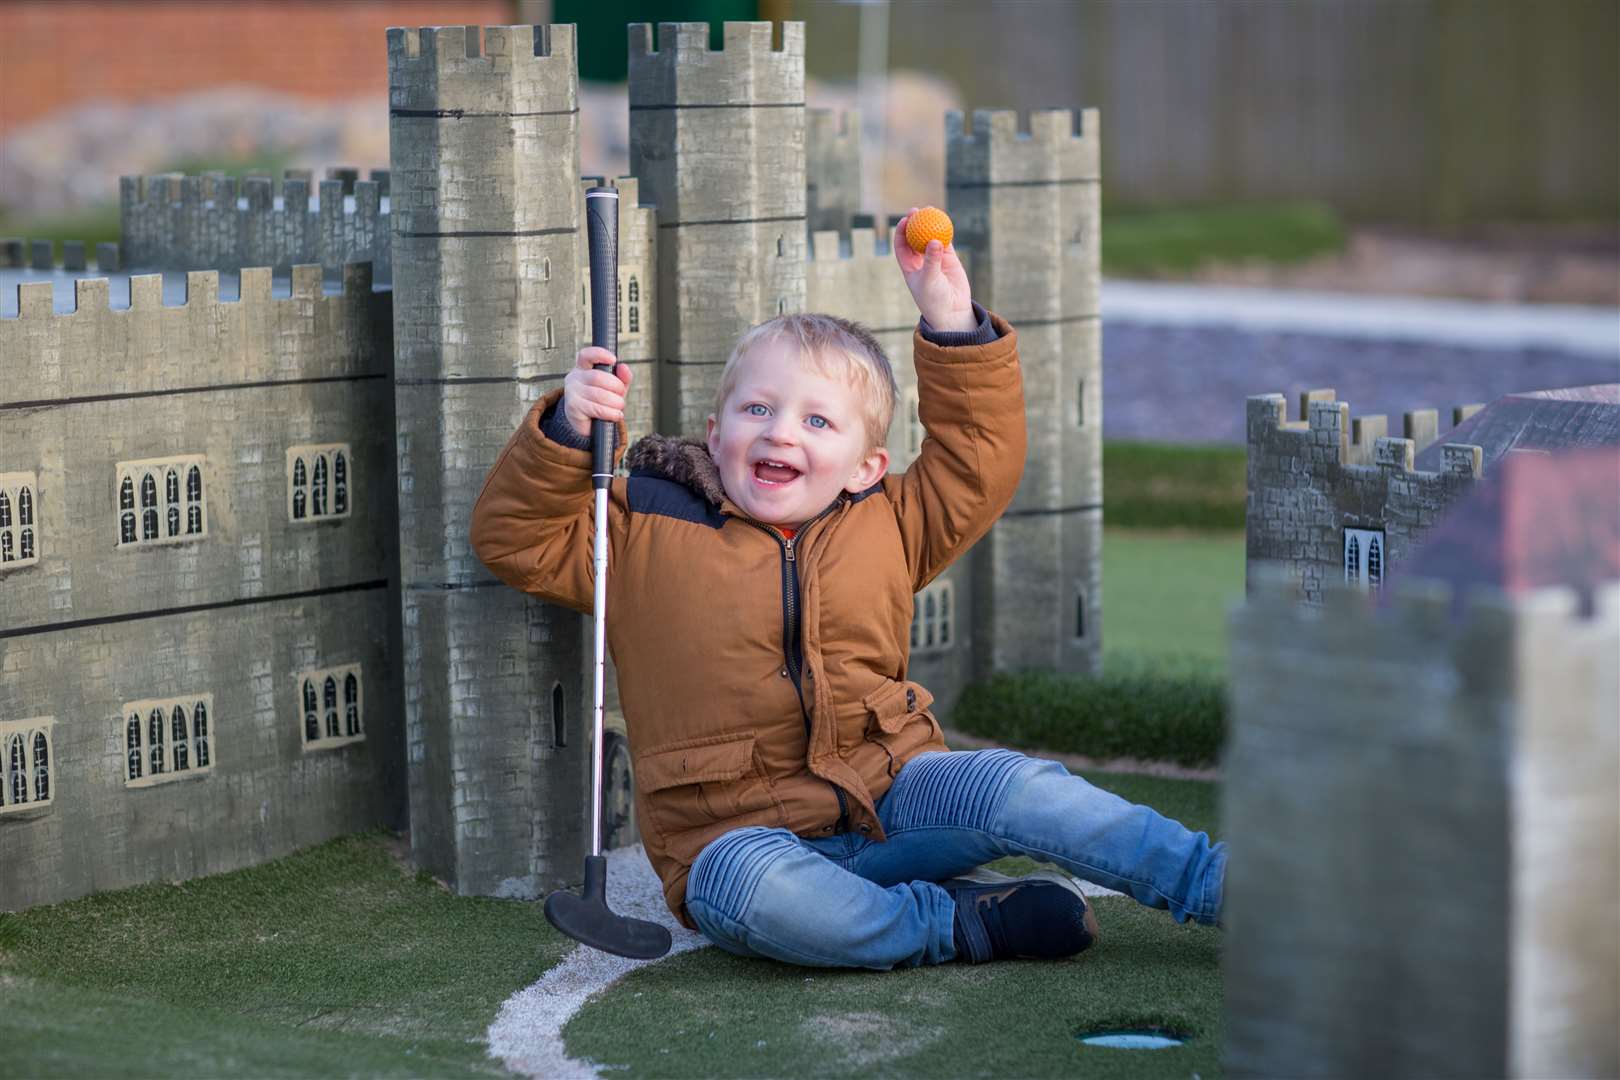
(587, 918)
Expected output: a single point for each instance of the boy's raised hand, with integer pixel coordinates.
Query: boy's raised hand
(589, 394)
(937, 282)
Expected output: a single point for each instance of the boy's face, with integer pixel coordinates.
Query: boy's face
(788, 439)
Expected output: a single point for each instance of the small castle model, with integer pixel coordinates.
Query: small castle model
(238, 460)
(1425, 783)
(1331, 499)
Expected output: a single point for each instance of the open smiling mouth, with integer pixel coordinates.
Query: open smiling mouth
(774, 473)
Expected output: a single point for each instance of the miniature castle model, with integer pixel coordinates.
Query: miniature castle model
(242, 612)
(1332, 499)
(1426, 793)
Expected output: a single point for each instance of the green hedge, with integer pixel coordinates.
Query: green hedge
(1170, 486)
(1152, 712)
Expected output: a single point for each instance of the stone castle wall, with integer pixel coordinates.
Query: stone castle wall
(486, 206)
(487, 689)
(232, 608)
(174, 222)
(731, 212)
(1411, 783)
(1310, 480)
(1026, 207)
(832, 161)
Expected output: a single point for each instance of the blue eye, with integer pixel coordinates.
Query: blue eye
(819, 421)
(755, 409)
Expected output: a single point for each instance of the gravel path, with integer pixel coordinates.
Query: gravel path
(1181, 373)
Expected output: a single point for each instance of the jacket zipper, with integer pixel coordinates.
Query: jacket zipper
(792, 643)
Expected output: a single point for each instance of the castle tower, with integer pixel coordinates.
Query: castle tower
(832, 190)
(1411, 781)
(717, 142)
(1025, 206)
(487, 242)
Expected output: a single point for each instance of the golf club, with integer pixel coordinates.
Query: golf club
(587, 918)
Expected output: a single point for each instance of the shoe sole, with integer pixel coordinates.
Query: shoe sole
(982, 876)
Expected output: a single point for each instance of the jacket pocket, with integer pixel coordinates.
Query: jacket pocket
(897, 719)
(695, 785)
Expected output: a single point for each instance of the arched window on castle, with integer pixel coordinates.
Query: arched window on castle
(933, 618)
(317, 488)
(312, 712)
(178, 732)
(16, 769)
(132, 736)
(17, 520)
(167, 740)
(351, 704)
(126, 511)
(154, 742)
(633, 325)
(1364, 556)
(26, 762)
(173, 508)
(199, 732)
(330, 700)
(332, 711)
(17, 547)
(1079, 613)
(545, 269)
(559, 724)
(551, 336)
(318, 482)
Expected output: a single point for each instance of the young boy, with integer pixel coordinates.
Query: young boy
(792, 788)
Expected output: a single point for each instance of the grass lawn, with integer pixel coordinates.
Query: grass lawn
(1149, 242)
(709, 1013)
(1166, 596)
(334, 961)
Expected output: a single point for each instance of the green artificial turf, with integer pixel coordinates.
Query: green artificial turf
(709, 1013)
(330, 961)
(1166, 597)
(1152, 242)
(1170, 486)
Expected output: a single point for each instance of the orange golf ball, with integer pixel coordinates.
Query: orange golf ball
(929, 223)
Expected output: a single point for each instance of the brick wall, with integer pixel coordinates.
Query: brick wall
(55, 55)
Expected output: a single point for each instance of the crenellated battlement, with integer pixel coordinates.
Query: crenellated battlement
(742, 40)
(105, 346)
(1313, 484)
(832, 125)
(1000, 146)
(1328, 434)
(215, 221)
(21, 253)
(833, 245)
(679, 68)
(854, 275)
(464, 71)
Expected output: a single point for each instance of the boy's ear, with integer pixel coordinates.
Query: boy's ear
(712, 436)
(869, 472)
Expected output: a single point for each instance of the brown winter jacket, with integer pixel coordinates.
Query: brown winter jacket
(704, 606)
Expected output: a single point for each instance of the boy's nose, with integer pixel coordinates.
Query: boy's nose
(782, 430)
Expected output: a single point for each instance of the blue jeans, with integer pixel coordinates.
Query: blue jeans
(847, 901)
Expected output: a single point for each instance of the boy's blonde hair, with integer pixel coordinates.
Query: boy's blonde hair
(832, 347)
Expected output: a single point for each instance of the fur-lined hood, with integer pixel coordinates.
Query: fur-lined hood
(683, 460)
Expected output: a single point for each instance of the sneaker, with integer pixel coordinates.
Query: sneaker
(1041, 917)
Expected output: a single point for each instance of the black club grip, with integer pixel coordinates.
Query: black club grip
(602, 241)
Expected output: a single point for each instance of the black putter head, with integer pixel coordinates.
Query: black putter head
(587, 920)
